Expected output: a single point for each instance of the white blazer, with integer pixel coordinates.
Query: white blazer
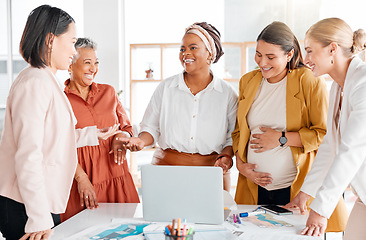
(341, 158)
(38, 147)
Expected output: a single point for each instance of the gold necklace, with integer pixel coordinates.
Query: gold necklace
(194, 93)
(185, 81)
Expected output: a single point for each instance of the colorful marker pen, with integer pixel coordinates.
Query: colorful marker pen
(178, 226)
(184, 230)
(238, 219)
(167, 230)
(248, 214)
(173, 224)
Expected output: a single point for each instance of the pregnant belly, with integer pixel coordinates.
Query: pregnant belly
(278, 162)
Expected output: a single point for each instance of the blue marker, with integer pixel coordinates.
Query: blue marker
(248, 214)
(238, 218)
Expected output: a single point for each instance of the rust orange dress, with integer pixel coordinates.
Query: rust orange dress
(112, 182)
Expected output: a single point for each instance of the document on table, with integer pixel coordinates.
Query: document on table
(138, 229)
(135, 229)
(131, 230)
(265, 227)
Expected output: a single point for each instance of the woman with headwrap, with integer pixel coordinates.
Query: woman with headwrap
(191, 115)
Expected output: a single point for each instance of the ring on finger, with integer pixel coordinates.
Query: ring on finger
(86, 196)
(119, 150)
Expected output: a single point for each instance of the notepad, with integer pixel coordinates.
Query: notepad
(190, 192)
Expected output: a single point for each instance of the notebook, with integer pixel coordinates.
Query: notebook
(190, 192)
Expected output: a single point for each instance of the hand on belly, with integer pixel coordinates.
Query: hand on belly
(264, 141)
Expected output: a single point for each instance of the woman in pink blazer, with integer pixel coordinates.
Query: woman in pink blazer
(38, 147)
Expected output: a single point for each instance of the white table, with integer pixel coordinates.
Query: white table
(107, 211)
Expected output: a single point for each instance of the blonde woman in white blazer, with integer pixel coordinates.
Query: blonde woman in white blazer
(341, 159)
(38, 146)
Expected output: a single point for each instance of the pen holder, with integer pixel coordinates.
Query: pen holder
(181, 237)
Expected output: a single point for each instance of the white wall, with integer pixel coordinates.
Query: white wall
(244, 20)
(103, 24)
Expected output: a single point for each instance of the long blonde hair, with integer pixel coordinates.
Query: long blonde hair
(336, 30)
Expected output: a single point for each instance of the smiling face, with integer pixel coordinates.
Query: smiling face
(317, 57)
(272, 61)
(85, 68)
(193, 54)
(63, 49)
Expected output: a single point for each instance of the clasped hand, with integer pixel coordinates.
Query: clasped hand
(265, 141)
(133, 143)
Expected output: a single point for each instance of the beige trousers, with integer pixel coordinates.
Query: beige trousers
(356, 226)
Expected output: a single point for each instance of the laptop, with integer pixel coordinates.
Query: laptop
(191, 192)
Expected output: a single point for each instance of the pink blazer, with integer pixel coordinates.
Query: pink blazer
(38, 147)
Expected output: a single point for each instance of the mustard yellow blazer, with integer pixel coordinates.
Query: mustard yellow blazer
(306, 113)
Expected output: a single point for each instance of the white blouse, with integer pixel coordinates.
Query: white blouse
(200, 123)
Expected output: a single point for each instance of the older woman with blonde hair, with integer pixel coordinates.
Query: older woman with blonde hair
(331, 46)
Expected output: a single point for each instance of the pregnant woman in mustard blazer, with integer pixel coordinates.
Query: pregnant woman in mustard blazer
(281, 122)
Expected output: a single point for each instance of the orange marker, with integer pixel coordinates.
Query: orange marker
(178, 226)
(170, 228)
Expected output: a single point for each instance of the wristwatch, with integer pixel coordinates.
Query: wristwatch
(283, 139)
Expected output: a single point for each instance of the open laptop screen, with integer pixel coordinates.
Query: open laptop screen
(191, 192)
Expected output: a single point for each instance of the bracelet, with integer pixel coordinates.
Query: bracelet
(225, 155)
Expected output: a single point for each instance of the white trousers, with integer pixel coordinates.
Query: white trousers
(356, 225)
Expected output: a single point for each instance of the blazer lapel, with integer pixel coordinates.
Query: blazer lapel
(250, 90)
(63, 96)
(293, 104)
